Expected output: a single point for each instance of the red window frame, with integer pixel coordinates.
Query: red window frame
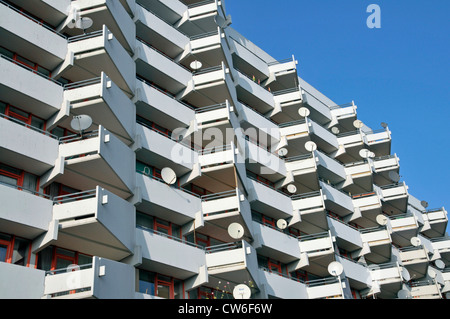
(273, 264)
(9, 250)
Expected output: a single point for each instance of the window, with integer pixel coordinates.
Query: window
(16, 177)
(158, 225)
(160, 285)
(56, 258)
(14, 250)
(209, 293)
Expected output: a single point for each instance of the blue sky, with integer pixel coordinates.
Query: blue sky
(398, 74)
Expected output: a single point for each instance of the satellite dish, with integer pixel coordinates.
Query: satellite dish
(394, 176)
(404, 294)
(365, 153)
(405, 274)
(384, 125)
(424, 204)
(195, 65)
(310, 146)
(439, 263)
(371, 155)
(382, 220)
(81, 122)
(292, 188)
(282, 224)
(303, 112)
(415, 241)
(84, 23)
(72, 267)
(335, 130)
(236, 231)
(335, 268)
(282, 151)
(431, 273)
(168, 175)
(242, 292)
(358, 124)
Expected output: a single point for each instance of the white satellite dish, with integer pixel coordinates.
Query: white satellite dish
(72, 267)
(358, 124)
(439, 263)
(431, 273)
(404, 294)
(168, 175)
(282, 151)
(394, 176)
(195, 65)
(365, 153)
(303, 112)
(282, 224)
(292, 188)
(310, 146)
(335, 268)
(382, 220)
(242, 292)
(405, 274)
(84, 23)
(424, 204)
(335, 130)
(81, 122)
(415, 241)
(236, 231)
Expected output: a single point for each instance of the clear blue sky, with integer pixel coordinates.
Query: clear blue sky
(398, 74)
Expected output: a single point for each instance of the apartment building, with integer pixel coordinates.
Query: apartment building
(148, 150)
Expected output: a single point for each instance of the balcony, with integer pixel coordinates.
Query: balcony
(395, 198)
(442, 245)
(19, 282)
(103, 279)
(344, 116)
(415, 259)
(387, 279)
(347, 237)
(156, 67)
(98, 52)
(259, 159)
(404, 227)
(159, 33)
(252, 93)
(235, 263)
(367, 208)
(34, 40)
(184, 261)
(319, 250)
(438, 220)
(311, 212)
(22, 144)
(276, 244)
(219, 116)
(221, 210)
(296, 134)
(217, 165)
(281, 286)
(99, 221)
(380, 243)
(382, 167)
(111, 13)
(379, 141)
(26, 212)
(153, 102)
(209, 86)
(207, 48)
(356, 273)
(304, 171)
(97, 158)
(360, 176)
(51, 11)
(327, 288)
(105, 103)
(330, 169)
(33, 91)
(425, 290)
(287, 104)
(317, 103)
(337, 201)
(285, 74)
(163, 150)
(200, 17)
(270, 200)
(166, 202)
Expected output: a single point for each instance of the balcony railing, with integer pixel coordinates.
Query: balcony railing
(21, 188)
(180, 240)
(223, 247)
(12, 119)
(57, 200)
